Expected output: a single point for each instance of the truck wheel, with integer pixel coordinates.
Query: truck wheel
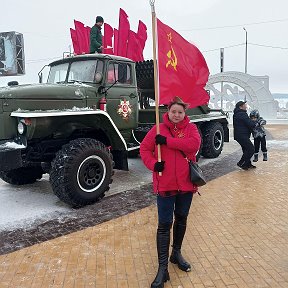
(213, 139)
(22, 176)
(81, 172)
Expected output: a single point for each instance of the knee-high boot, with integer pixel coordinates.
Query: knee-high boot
(179, 229)
(163, 241)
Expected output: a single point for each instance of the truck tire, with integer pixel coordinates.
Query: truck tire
(22, 176)
(213, 139)
(81, 172)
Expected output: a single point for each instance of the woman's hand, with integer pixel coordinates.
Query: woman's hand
(160, 139)
(159, 166)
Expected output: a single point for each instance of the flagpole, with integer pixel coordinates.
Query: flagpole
(156, 84)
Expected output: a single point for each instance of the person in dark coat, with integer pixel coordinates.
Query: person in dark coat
(173, 188)
(243, 126)
(96, 36)
(259, 135)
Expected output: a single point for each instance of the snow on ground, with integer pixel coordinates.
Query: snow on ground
(22, 206)
(277, 144)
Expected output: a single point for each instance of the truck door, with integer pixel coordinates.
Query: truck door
(122, 97)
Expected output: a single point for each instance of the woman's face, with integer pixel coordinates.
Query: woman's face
(176, 113)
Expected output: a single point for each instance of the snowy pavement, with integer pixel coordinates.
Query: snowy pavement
(23, 205)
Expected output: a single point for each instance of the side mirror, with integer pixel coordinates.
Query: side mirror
(98, 77)
(40, 75)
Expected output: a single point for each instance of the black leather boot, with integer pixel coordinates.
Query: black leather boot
(265, 156)
(179, 229)
(255, 157)
(163, 241)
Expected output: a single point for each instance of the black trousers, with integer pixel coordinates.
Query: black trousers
(260, 142)
(248, 151)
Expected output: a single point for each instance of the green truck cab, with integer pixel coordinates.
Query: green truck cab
(92, 114)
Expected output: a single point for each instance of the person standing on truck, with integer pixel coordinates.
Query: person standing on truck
(96, 36)
(243, 126)
(173, 188)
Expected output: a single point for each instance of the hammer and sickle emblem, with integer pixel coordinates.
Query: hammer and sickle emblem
(172, 58)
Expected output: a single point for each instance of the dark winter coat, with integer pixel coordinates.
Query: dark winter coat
(95, 39)
(243, 125)
(259, 130)
(175, 176)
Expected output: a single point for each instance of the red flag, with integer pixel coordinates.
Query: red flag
(134, 49)
(74, 41)
(108, 51)
(183, 70)
(115, 42)
(142, 34)
(87, 38)
(81, 33)
(123, 32)
(108, 34)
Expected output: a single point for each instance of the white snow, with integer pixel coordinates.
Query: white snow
(73, 109)
(27, 205)
(277, 144)
(82, 84)
(23, 205)
(12, 145)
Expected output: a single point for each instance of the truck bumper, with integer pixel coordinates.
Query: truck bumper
(10, 154)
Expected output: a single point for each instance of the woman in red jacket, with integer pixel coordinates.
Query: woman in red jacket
(173, 188)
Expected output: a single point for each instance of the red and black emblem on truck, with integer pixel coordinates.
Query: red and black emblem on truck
(124, 109)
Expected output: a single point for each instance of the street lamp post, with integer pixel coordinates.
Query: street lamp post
(221, 70)
(246, 50)
(245, 55)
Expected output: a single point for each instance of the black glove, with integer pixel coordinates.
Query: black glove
(159, 166)
(160, 139)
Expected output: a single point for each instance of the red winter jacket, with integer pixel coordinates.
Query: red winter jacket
(176, 172)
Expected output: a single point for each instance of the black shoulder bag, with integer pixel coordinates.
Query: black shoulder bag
(196, 174)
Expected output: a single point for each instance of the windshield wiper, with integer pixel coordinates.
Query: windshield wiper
(73, 81)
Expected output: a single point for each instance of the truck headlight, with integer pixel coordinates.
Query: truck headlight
(21, 128)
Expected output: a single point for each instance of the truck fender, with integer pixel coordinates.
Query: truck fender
(115, 133)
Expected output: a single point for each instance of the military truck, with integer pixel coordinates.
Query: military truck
(84, 122)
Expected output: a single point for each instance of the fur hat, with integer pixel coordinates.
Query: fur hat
(179, 101)
(99, 19)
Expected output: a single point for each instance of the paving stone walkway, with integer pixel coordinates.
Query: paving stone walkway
(237, 236)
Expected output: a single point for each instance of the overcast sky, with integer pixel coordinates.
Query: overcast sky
(209, 24)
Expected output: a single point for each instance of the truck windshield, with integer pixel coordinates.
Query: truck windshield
(80, 71)
(58, 73)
